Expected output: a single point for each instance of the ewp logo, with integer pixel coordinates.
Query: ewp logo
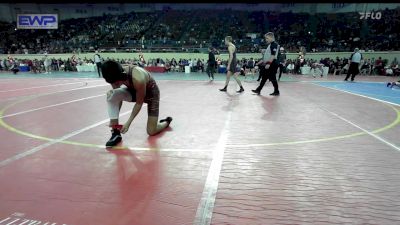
(37, 21)
(373, 15)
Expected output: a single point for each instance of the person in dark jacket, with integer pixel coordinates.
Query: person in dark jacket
(211, 63)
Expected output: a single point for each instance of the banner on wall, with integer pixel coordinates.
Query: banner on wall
(37, 21)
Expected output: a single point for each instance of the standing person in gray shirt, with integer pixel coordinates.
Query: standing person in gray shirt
(354, 62)
(97, 60)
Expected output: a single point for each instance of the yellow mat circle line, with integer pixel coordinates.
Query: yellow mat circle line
(20, 132)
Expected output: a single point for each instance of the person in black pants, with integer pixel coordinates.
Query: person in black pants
(259, 63)
(211, 64)
(354, 61)
(281, 61)
(270, 65)
(97, 60)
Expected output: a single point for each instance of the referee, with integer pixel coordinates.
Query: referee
(269, 64)
(354, 62)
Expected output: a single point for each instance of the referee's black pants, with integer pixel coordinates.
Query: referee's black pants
(353, 71)
(270, 74)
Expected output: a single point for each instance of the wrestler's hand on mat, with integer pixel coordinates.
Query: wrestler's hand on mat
(125, 128)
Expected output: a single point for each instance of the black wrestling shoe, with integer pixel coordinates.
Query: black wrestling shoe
(255, 91)
(223, 89)
(274, 93)
(241, 90)
(115, 138)
(168, 120)
(388, 84)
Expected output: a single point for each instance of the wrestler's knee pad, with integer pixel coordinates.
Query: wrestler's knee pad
(118, 95)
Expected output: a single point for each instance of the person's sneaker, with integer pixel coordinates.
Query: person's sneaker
(241, 90)
(345, 80)
(274, 93)
(388, 84)
(115, 138)
(168, 120)
(223, 89)
(256, 91)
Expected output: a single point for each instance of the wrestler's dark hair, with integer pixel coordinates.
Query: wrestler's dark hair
(112, 71)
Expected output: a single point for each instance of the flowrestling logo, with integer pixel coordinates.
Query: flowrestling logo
(370, 15)
(37, 21)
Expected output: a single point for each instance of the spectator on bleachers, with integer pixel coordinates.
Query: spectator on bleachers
(332, 32)
(388, 71)
(366, 67)
(3, 65)
(14, 66)
(290, 66)
(379, 66)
